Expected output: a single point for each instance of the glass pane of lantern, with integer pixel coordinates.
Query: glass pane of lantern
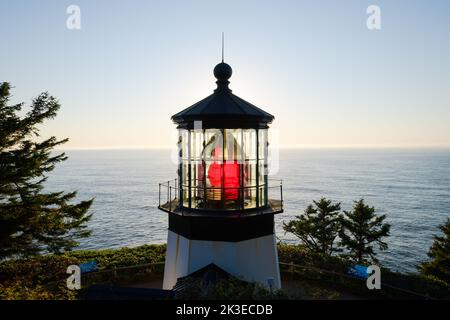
(250, 198)
(185, 195)
(196, 184)
(233, 145)
(196, 144)
(180, 145)
(213, 145)
(262, 141)
(250, 184)
(213, 158)
(249, 141)
(231, 181)
(184, 173)
(262, 165)
(185, 143)
(262, 196)
(261, 172)
(196, 174)
(250, 173)
(196, 198)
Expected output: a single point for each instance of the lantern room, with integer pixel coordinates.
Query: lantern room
(223, 156)
(222, 205)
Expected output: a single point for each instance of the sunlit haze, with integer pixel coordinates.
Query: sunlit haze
(328, 80)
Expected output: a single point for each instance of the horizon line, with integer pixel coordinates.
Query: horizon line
(299, 146)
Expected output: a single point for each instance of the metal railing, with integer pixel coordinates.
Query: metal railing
(292, 268)
(167, 188)
(125, 275)
(113, 274)
(173, 197)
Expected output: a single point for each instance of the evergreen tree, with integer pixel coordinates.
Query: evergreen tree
(31, 220)
(318, 227)
(361, 230)
(439, 266)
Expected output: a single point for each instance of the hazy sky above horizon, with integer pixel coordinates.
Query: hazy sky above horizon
(313, 64)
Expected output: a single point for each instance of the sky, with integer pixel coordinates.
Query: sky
(328, 79)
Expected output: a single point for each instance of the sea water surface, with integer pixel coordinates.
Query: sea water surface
(410, 186)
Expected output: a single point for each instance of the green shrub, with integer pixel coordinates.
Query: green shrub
(330, 272)
(320, 276)
(44, 277)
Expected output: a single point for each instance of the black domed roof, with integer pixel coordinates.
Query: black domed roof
(223, 109)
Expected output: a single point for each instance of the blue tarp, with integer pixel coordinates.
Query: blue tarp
(89, 266)
(358, 271)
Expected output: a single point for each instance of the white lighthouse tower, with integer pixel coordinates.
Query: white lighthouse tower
(220, 208)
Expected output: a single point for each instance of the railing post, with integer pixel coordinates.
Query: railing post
(170, 199)
(159, 194)
(168, 186)
(281, 192)
(257, 168)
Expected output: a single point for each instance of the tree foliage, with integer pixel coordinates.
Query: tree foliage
(439, 264)
(362, 229)
(32, 220)
(318, 227)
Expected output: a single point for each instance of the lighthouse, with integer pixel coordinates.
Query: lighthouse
(222, 205)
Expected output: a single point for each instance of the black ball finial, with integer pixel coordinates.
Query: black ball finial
(223, 71)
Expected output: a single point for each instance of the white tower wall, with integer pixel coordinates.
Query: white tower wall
(254, 260)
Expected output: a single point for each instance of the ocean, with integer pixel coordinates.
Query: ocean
(410, 186)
